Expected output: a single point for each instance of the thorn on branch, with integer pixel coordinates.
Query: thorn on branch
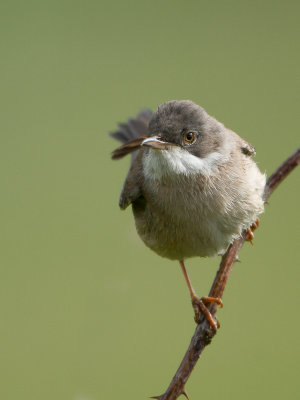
(185, 394)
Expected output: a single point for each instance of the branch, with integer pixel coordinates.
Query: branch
(204, 333)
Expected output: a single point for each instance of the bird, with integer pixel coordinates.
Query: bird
(192, 184)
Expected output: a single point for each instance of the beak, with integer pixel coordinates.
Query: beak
(155, 142)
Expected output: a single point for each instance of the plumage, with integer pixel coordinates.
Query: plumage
(188, 198)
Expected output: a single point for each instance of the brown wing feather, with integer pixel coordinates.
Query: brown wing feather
(127, 148)
(248, 149)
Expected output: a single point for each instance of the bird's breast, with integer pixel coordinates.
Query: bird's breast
(195, 213)
(180, 219)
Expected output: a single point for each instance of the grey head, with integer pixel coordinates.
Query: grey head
(184, 124)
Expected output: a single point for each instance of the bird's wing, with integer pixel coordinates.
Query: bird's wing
(247, 148)
(131, 134)
(132, 188)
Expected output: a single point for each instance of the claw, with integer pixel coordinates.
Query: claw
(250, 231)
(255, 225)
(200, 308)
(250, 235)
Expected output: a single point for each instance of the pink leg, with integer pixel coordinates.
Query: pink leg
(199, 304)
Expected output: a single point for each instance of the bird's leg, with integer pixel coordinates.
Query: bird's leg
(199, 303)
(250, 231)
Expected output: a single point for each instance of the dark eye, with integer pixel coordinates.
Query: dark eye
(189, 137)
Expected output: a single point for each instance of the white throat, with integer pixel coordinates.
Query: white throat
(177, 161)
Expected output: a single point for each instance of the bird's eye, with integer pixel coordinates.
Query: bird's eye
(189, 137)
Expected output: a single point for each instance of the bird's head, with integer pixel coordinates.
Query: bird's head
(183, 138)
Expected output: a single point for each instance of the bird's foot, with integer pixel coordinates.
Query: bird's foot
(250, 231)
(199, 306)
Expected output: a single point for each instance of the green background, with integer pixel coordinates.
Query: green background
(87, 312)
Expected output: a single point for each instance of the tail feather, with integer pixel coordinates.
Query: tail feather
(131, 134)
(122, 134)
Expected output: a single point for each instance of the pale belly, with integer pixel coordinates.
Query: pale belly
(195, 233)
(183, 215)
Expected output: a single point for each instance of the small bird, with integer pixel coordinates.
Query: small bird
(192, 184)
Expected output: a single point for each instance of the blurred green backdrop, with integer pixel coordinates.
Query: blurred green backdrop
(87, 312)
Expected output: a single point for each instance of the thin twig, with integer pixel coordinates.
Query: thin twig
(204, 333)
